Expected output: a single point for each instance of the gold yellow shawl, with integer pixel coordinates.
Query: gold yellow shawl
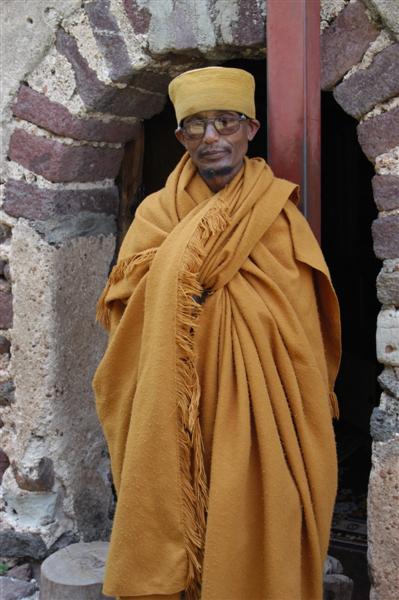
(215, 394)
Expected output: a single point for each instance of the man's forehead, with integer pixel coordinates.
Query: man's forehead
(209, 114)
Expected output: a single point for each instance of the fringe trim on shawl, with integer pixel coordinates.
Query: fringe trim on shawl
(122, 269)
(334, 406)
(194, 481)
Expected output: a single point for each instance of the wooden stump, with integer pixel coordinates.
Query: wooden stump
(74, 573)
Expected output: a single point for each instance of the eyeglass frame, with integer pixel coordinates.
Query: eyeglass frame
(206, 122)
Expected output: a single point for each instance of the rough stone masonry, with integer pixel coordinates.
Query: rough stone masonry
(80, 77)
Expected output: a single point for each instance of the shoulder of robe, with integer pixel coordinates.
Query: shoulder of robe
(306, 246)
(152, 221)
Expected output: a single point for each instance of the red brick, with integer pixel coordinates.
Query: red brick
(386, 191)
(58, 162)
(6, 312)
(127, 102)
(379, 134)
(249, 29)
(22, 199)
(37, 108)
(367, 87)
(344, 43)
(109, 40)
(140, 18)
(386, 236)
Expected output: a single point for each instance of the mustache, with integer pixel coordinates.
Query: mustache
(206, 151)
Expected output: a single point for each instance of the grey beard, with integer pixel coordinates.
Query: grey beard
(212, 173)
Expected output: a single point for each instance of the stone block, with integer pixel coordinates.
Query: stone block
(139, 17)
(384, 423)
(58, 230)
(337, 587)
(389, 380)
(74, 573)
(37, 477)
(100, 97)
(22, 199)
(358, 94)
(388, 337)
(388, 286)
(53, 116)
(4, 464)
(6, 310)
(383, 523)
(23, 572)
(54, 359)
(386, 191)
(4, 345)
(385, 232)
(379, 134)
(58, 162)
(13, 543)
(344, 43)
(7, 390)
(249, 29)
(388, 13)
(15, 589)
(109, 40)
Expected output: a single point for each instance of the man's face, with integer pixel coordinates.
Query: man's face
(216, 154)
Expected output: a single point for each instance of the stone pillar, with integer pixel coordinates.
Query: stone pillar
(360, 65)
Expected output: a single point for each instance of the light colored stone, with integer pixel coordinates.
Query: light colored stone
(329, 9)
(74, 573)
(54, 77)
(388, 163)
(383, 521)
(388, 12)
(388, 337)
(56, 348)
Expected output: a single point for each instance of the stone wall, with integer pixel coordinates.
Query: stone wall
(360, 64)
(96, 70)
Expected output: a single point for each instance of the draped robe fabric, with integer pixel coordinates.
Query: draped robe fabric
(215, 394)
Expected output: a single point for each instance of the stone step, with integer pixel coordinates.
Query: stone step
(74, 573)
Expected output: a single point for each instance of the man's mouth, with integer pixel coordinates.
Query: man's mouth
(213, 153)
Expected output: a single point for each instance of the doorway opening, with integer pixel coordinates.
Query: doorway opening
(348, 210)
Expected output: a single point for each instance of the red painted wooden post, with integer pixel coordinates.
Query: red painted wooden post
(293, 106)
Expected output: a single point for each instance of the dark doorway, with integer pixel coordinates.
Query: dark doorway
(347, 212)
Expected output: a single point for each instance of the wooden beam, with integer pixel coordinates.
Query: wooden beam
(293, 105)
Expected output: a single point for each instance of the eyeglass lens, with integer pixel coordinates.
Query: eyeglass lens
(224, 124)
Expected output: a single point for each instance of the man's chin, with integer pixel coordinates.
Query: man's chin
(213, 172)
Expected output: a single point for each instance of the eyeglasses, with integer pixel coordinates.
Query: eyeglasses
(194, 129)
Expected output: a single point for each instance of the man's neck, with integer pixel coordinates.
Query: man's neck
(217, 179)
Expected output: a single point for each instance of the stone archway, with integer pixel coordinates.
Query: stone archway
(107, 71)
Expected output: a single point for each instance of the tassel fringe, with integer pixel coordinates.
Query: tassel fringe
(194, 481)
(122, 269)
(334, 406)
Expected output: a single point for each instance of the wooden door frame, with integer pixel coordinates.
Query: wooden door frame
(293, 105)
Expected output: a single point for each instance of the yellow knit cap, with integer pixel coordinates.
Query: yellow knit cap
(213, 88)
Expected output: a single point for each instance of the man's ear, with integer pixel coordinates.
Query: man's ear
(179, 135)
(252, 128)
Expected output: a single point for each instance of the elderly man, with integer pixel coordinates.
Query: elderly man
(215, 392)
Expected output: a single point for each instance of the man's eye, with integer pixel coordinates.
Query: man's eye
(226, 120)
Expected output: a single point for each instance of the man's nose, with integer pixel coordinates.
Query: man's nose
(210, 134)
